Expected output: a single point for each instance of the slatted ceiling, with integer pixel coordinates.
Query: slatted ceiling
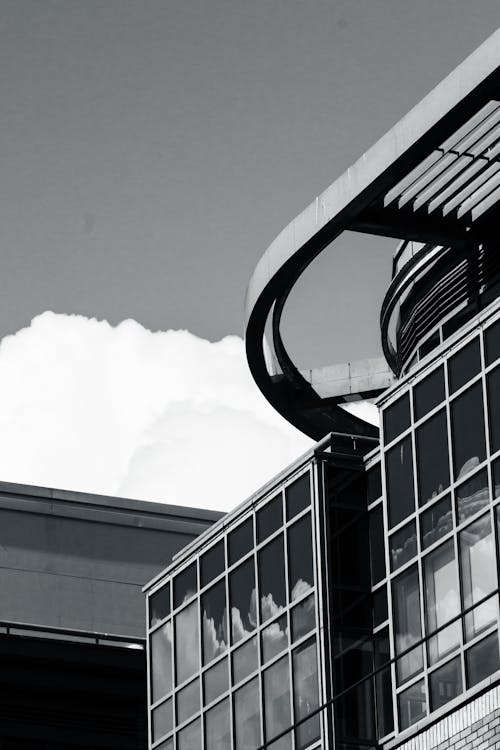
(430, 175)
(403, 184)
(455, 186)
(492, 153)
(467, 126)
(486, 142)
(486, 204)
(469, 187)
(479, 194)
(437, 185)
(476, 134)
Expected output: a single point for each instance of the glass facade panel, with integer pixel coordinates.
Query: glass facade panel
(269, 518)
(373, 484)
(188, 701)
(428, 393)
(492, 343)
(493, 387)
(245, 660)
(305, 693)
(412, 705)
(445, 683)
(482, 660)
(212, 563)
(377, 544)
(436, 522)
(407, 624)
(187, 643)
(215, 681)
(383, 684)
(163, 720)
(277, 709)
(297, 496)
(167, 745)
(479, 576)
(189, 738)
(432, 457)
(396, 418)
(399, 479)
(442, 600)
(218, 727)
(243, 600)
(159, 605)
(496, 478)
(247, 716)
(467, 421)
(214, 622)
(161, 660)
(240, 541)
(303, 617)
(272, 587)
(274, 638)
(185, 585)
(403, 545)
(380, 612)
(300, 561)
(464, 365)
(472, 496)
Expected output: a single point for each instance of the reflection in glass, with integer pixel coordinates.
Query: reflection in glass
(396, 418)
(247, 716)
(274, 638)
(442, 600)
(167, 745)
(243, 600)
(240, 541)
(297, 496)
(479, 577)
(432, 457)
(187, 643)
(212, 563)
(159, 605)
(411, 704)
(245, 660)
(493, 388)
(188, 701)
(472, 496)
(408, 630)
(383, 683)
(445, 683)
(269, 518)
(276, 687)
(215, 681)
(300, 563)
(428, 393)
(189, 738)
(305, 698)
(214, 619)
(161, 661)
(373, 484)
(185, 585)
(303, 618)
(496, 478)
(482, 660)
(163, 720)
(217, 727)
(464, 365)
(399, 475)
(467, 423)
(492, 343)
(436, 522)
(272, 579)
(403, 545)
(377, 545)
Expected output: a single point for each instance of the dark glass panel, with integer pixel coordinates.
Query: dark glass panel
(212, 563)
(467, 423)
(436, 522)
(245, 660)
(163, 720)
(399, 475)
(492, 343)
(218, 727)
(428, 393)
(159, 605)
(442, 600)
(187, 643)
(377, 545)
(493, 387)
(300, 562)
(472, 496)
(373, 484)
(496, 478)
(240, 541)
(272, 579)
(407, 624)
(189, 738)
(383, 684)
(247, 716)
(269, 518)
(214, 622)
(481, 660)
(185, 585)
(167, 745)
(396, 418)
(188, 701)
(380, 606)
(161, 661)
(411, 705)
(274, 638)
(445, 683)
(243, 600)
(464, 365)
(303, 617)
(215, 681)
(433, 469)
(276, 686)
(297, 496)
(479, 578)
(306, 693)
(403, 545)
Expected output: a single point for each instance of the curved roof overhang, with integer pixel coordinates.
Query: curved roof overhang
(434, 179)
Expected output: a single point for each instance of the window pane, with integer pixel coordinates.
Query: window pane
(380, 612)
(214, 619)
(269, 518)
(185, 585)
(493, 387)
(373, 483)
(276, 686)
(243, 600)
(300, 562)
(212, 563)
(496, 478)
(377, 545)
(272, 579)
(396, 418)
(274, 638)
(163, 720)
(479, 577)
(297, 496)
(432, 457)
(189, 738)
(411, 703)
(403, 545)
(240, 541)
(383, 684)
(436, 522)
(188, 701)
(399, 475)
(445, 683)
(167, 745)
(468, 430)
(161, 661)
(464, 365)
(187, 640)
(215, 681)
(428, 393)
(492, 343)
(218, 727)
(247, 716)
(442, 600)
(159, 605)
(406, 602)
(305, 689)
(245, 660)
(303, 617)
(482, 660)
(472, 496)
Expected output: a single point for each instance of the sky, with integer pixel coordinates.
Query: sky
(151, 150)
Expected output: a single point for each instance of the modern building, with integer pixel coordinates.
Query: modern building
(353, 602)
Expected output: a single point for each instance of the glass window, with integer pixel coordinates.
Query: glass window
(161, 661)
(212, 563)
(396, 418)
(377, 544)
(274, 638)
(188, 701)
(240, 541)
(187, 641)
(373, 483)
(303, 617)
(189, 738)
(272, 579)
(305, 693)
(383, 684)
(247, 716)
(379, 606)
(467, 423)
(167, 745)
(479, 578)
(482, 660)
(445, 683)
(277, 709)
(428, 393)
(218, 727)
(215, 681)
(297, 496)
(245, 660)
(399, 474)
(411, 705)
(464, 365)
(300, 562)
(436, 522)
(159, 605)
(243, 600)
(472, 496)
(269, 518)
(185, 585)
(432, 458)
(493, 381)
(442, 600)
(403, 545)
(163, 720)
(496, 478)
(214, 621)
(492, 343)
(408, 630)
